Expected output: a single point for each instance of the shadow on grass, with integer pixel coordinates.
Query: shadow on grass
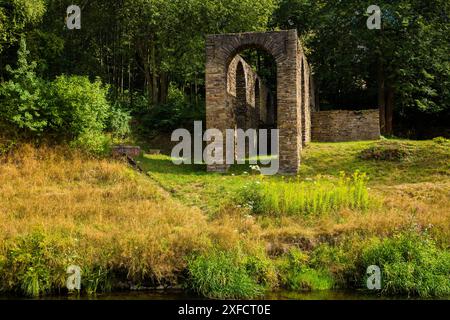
(163, 164)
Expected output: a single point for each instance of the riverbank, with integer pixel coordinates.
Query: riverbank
(180, 226)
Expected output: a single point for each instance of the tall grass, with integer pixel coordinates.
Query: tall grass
(296, 274)
(411, 264)
(59, 207)
(295, 197)
(222, 275)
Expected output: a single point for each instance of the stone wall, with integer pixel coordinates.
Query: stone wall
(242, 94)
(343, 125)
(283, 46)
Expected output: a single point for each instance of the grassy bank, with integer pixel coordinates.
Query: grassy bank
(178, 225)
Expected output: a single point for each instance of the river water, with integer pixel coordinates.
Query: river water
(182, 295)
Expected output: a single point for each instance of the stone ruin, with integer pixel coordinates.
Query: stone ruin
(236, 97)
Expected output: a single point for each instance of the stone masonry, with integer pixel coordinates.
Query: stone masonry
(236, 97)
(246, 94)
(293, 103)
(343, 125)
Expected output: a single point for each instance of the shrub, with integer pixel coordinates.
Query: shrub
(222, 275)
(23, 110)
(81, 104)
(93, 142)
(305, 197)
(411, 264)
(177, 112)
(261, 268)
(119, 122)
(68, 109)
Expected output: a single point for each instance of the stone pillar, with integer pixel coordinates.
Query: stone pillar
(284, 47)
(218, 113)
(306, 123)
(289, 115)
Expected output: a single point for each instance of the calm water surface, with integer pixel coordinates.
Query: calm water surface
(182, 295)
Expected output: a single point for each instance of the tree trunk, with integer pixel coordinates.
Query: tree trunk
(389, 111)
(155, 91)
(163, 87)
(381, 96)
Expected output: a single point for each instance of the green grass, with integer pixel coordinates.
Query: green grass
(222, 275)
(295, 274)
(312, 197)
(316, 231)
(411, 264)
(426, 161)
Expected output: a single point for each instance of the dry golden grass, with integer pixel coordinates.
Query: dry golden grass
(422, 206)
(104, 213)
(98, 213)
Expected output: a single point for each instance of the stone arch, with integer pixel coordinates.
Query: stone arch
(284, 47)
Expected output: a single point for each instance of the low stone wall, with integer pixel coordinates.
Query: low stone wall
(343, 125)
(131, 151)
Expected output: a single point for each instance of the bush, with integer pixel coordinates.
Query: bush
(119, 122)
(175, 113)
(96, 143)
(222, 275)
(82, 105)
(305, 197)
(24, 111)
(68, 109)
(411, 264)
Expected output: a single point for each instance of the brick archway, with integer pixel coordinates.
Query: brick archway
(285, 48)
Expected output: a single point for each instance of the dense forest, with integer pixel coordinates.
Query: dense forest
(137, 66)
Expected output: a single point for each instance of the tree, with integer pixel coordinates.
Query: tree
(402, 68)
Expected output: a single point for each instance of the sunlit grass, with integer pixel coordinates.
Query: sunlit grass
(314, 197)
(60, 207)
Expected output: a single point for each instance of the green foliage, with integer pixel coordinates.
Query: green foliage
(82, 105)
(119, 122)
(33, 266)
(93, 142)
(222, 275)
(409, 54)
(70, 108)
(176, 113)
(15, 16)
(23, 108)
(96, 279)
(295, 274)
(411, 264)
(295, 197)
(262, 269)
(441, 140)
